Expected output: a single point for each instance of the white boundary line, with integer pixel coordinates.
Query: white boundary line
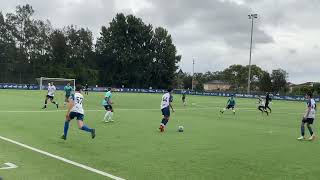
(98, 110)
(9, 166)
(63, 159)
(200, 107)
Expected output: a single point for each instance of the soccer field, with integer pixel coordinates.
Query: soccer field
(245, 146)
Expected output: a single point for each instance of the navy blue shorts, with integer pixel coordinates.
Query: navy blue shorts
(308, 120)
(108, 107)
(166, 111)
(50, 97)
(79, 116)
(230, 107)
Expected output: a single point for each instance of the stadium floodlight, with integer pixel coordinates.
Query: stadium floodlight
(252, 17)
(44, 81)
(192, 85)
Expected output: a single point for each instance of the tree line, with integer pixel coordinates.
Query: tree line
(237, 76)
(127, 53)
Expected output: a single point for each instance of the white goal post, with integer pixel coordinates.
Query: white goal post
(62, 81)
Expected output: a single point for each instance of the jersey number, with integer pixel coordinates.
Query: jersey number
(79, 100)
(165, 99)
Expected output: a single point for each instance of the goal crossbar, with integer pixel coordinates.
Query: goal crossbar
(55, 79)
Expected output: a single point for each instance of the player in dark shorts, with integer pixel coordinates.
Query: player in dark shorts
(107, 106)
(308, 117)
(261, 106)
(86, 89)
(268, 100)
(184, 98)
(50, 96)
(165, 105)
(230, 105)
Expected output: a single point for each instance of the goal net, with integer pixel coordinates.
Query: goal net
(58, 82)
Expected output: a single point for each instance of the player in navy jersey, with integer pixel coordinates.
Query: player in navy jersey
(184, 98)
(268, 100)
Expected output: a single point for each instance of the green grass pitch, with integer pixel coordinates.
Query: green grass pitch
(245, 146)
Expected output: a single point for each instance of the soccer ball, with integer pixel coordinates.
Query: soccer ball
(180, 129)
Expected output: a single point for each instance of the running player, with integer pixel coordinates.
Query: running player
(309, 117)
(50, 95)
(268, 100)
(68, 90)
(165, 109)
(230, 105)
(107, 106)
(75, 110)
(184, 98)
(261, 106)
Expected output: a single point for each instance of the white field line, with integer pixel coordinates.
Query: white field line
(63, 159)
(9, 166)
(201, 107)
(96, 110)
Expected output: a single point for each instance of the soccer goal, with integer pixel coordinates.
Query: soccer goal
(43, 82)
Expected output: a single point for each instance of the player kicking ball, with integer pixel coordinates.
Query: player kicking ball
(107, 106)
(75, 110)
(309, 117)
(230, 105)
(50, 96)
(166, 101)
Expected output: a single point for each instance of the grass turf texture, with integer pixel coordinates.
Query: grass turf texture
(245, 146)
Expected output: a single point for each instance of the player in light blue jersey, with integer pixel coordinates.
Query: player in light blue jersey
(107, 106)
(230, 105)
(75, 110)
(68, 90)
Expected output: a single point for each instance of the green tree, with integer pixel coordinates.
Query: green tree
(237, 75)
(7, 50)
(130, 53)
(265, 83)
(80, 55)
(165, 59)
(316, 88)
(279, 80)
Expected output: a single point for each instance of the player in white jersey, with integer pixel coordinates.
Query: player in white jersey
(50, 95)
(308, 117)
(75, 110)
(165, 109)
(261, 106)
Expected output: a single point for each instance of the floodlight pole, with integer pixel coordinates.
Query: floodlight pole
(251, 16)
(192, 74)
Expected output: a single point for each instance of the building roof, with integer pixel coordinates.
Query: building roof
(303, 84)
(217, 82)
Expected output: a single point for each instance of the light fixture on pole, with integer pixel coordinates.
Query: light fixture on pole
(252, 17)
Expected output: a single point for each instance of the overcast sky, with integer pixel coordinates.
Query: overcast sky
(216, 33)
